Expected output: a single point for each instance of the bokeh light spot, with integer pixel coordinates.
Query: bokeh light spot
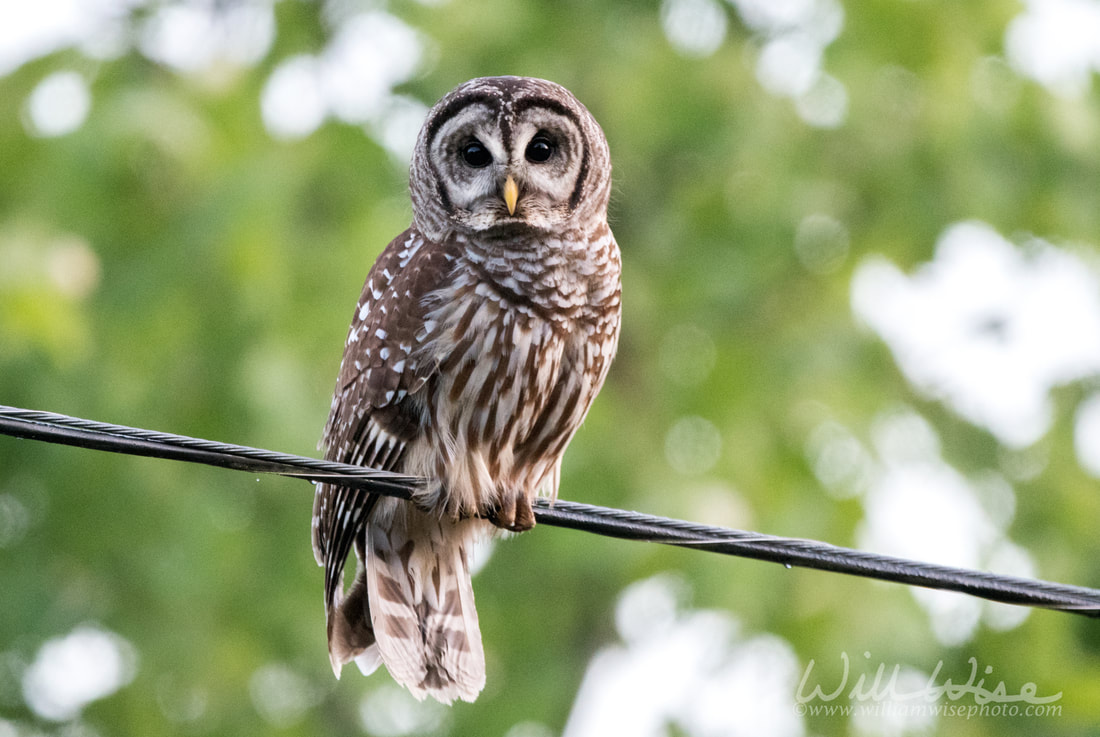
(58, 105)
(70, 672)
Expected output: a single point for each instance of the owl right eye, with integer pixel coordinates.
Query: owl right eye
(476, 155)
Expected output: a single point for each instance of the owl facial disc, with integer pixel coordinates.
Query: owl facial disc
(503, 153)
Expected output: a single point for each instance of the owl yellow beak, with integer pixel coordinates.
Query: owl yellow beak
(511, 194)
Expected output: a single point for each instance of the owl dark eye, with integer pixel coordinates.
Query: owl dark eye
(540, 149)
(476, 155)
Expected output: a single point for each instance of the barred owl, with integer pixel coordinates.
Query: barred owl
(482, 336)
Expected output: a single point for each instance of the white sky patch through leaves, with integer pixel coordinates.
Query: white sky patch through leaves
(988, 327)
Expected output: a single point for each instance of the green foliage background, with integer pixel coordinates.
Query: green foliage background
(229, 263)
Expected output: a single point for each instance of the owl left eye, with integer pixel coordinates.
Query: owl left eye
(540, 149)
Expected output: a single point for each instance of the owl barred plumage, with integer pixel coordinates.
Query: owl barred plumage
(482, 336)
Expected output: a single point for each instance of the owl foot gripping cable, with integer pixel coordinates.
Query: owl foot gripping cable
(483, 334)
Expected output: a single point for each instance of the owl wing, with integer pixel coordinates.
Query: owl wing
(374, 414)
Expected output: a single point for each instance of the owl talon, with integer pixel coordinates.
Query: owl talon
(525, 516)
(514, 513)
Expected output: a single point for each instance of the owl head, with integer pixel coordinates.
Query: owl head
(498, 154)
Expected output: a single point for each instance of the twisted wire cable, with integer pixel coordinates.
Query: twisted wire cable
(616, 523)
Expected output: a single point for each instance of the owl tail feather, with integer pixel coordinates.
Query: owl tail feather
(350, 635)
(422, 605)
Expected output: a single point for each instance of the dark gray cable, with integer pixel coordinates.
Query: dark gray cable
(617, 523)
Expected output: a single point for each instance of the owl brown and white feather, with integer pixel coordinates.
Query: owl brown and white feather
(482, 336)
